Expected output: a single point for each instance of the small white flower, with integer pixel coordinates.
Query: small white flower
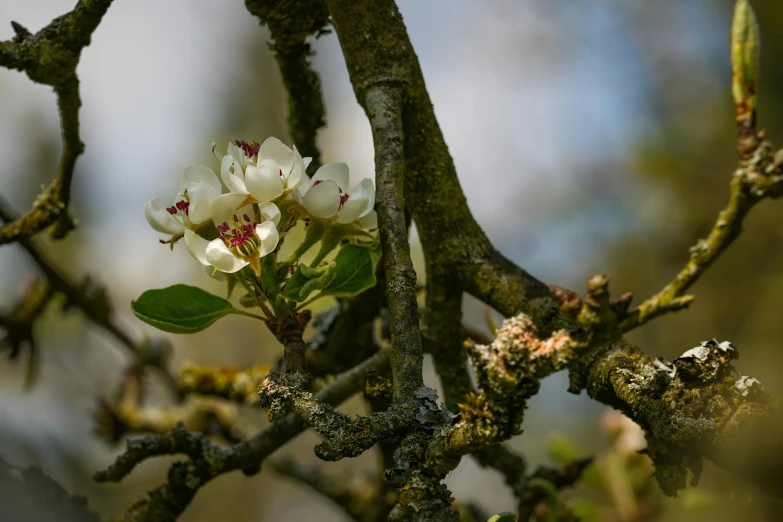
(198, 188)
(326, 195)
(265, 171)
(243, 240)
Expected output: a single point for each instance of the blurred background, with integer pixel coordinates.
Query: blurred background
(590, 136)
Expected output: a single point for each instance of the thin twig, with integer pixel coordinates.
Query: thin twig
(89, 298)
(225, 382)
(757, 178)
(50, 57)
(291, 23)
(210, 460)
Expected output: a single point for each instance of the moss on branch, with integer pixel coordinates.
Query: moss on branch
(225, 382)
(697, 406)
(344, 436)
(508, 372)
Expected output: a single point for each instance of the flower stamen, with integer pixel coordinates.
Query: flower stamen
(240, 237)
(251, 148)
(182, 205)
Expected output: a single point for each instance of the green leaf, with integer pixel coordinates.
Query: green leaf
(355, 270)
(321, 281)
(294, 285)
(305, 281)
(180, 308)
(504, 517)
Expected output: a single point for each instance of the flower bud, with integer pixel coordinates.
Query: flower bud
(745, 44)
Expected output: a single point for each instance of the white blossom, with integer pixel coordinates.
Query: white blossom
(265, 171)
(326, 195)
(198, 189)
(244, 237)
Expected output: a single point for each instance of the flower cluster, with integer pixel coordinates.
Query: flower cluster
(233, 221)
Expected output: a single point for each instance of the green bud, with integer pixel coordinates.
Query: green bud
(745, 45)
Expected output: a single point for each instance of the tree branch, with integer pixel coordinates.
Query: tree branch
(92, 300)
(759, 177)
(509, 372)
(94, 305)
(212, 417)
(345, 437)
(698, 406)
(50, 57)
(383, 105)
(226, 382)
(207, 460)
(291, 22)
(443, 310)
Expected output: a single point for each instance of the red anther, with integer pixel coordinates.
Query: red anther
(251, 148)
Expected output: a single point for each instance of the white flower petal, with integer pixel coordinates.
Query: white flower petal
(237, 153)
(351, 210)
(276, 150)
(235, 181)
(358, 203)
(201, 197)
(370, 221)
(323, 199)
(303, 188)
(219, 256)
(224, 208)
(264, 182)
(201, 173)
(307, 161)
(368, 185)
(197, 246)
(295, 177)
(337, 172)
(269, 212)
(269, 236)
(215, 152)
(160, 219)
